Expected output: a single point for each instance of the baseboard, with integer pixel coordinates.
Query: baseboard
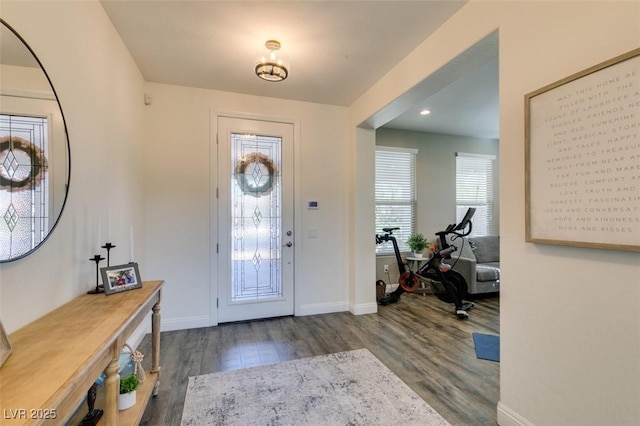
(170, 325)
(363, 308)
(508, 417)
(184, 323)
(303, 310)
(321, 308)
(137, 336)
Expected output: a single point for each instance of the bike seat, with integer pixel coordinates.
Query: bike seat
(389, 230)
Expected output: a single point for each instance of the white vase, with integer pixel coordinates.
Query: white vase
(127, 400)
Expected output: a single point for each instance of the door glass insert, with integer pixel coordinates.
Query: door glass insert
(256, 217)
(24, 184)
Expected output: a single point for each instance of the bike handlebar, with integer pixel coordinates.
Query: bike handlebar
(461, 229)
(447, 251)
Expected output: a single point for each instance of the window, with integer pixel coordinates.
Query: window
(474, 188)
(395, 194)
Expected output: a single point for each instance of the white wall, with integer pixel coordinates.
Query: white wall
(362, 264)
(570, 333)
(23, 78)
(179, 183)
(101, 92)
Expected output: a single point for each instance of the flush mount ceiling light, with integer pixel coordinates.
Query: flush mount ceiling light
(272, 69)
(425, 112)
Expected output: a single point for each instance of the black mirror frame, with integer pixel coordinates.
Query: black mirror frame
(66, 132)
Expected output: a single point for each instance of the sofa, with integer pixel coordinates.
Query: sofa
(477, 259)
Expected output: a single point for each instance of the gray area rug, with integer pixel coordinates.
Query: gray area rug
(346, 388)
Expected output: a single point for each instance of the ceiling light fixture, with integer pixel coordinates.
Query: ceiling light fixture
(425, 112)
(272, 69)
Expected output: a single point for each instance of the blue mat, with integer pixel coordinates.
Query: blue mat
(487, 346)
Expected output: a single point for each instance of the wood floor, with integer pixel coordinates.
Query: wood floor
(418, 338)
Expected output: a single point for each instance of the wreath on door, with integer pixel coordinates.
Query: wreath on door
(37, 164)
(255, 174)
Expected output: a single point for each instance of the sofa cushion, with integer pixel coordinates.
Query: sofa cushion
(486, 248)
(488, 272)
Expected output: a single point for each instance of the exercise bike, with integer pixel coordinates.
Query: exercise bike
(448, 285)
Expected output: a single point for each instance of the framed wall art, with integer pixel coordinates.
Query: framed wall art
(582, 165)
(120, 278)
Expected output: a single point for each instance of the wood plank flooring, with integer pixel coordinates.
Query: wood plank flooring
(418, 338)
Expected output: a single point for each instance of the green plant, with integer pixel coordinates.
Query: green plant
(417, 242)
(129, 384)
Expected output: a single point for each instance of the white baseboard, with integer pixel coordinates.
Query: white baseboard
(508, 417)
(364, 308)
(137, 336)
(184, 323)
(321, 308)
(167, 325)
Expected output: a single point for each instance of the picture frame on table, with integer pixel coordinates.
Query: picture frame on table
(119, 278)
(5, 345)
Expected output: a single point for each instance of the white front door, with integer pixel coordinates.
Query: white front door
(255, 219)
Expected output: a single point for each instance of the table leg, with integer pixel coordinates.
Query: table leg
(155, 345)
(112, 391)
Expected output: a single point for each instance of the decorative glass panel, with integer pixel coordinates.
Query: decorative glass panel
(256, 204)
(24, 216)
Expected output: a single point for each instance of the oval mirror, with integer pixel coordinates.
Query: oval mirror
(34, 150)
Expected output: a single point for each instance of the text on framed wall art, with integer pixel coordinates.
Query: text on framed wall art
(582, 137)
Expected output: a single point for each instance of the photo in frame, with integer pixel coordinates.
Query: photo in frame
(121, 278)
(582, 158)
(5, 345)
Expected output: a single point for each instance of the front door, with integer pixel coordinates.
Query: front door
(255, 219)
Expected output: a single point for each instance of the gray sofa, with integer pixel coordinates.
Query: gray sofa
(478, 262)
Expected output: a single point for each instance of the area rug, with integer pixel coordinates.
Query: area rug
(346, 388)
(487, 346)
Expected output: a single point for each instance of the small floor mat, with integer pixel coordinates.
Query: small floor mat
(487, 346)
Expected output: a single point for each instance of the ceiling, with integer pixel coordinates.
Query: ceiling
(336, 50)
(13, 52)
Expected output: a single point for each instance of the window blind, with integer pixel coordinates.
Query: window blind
(395, 189)
(475, 188)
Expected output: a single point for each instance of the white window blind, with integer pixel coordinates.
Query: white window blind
(474, 188)
(395, 194)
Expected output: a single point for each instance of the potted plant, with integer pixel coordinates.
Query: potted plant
(417, 242)
(128, 387)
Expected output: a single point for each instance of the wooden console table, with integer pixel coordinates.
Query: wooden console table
(58, 357)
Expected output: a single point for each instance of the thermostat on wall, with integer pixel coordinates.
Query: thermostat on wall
(313, 205)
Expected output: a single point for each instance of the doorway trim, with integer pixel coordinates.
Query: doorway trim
(213, 205)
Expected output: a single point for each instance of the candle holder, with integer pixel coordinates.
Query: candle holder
(92, 417)
(108, 247)
(97, 258)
